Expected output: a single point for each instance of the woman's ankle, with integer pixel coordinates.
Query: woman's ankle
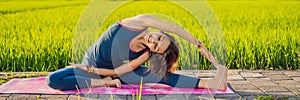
(115, 83)
(97, 82)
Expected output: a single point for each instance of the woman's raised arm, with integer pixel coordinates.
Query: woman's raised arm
(149, 21)
(143, 21)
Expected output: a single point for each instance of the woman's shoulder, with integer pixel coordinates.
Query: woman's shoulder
(127, 25)
(133, 22)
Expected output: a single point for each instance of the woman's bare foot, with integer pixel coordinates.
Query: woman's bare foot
(107, 81)
(219, 82)
(110, 82)
(221, 77)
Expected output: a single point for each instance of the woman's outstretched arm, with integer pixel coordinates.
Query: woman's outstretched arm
(143, 21)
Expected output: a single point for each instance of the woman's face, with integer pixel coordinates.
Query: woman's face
(157, 42)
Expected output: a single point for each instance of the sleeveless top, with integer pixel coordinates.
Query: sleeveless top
(112, 49)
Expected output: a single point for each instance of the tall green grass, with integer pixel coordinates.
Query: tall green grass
(38, 40)
(38, 35)
(11, 7)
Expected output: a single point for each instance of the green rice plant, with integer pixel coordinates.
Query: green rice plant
(41, 46)
(138, 91)
(38, 97)
(11, 7)
(78, 93)
(141, 90)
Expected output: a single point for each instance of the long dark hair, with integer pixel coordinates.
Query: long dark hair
(162, 64)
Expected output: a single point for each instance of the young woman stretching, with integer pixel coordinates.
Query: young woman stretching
(119, 53)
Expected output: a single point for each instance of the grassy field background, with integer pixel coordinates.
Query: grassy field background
(37, 35)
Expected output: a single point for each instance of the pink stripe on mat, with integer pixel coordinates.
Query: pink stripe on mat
(38, 85)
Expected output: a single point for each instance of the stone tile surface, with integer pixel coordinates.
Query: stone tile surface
(170, 97)
(235, 78)
(244, 87)
(54, 97)
(205, 75)
(270, 72)
(292, 73)
(227, 97)
(199, 97)
(250, 92)
(286, 82)
(281, 93)
(296, 78)
(261, 82)
(278, 77)
(23, 97)
(239, 82)
(273, 89)
(251, 75)
(233, 72)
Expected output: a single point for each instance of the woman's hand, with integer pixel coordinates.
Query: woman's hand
(79, 66)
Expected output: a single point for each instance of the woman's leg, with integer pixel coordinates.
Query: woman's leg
(134, 77)
(175, 80)
(69, 78)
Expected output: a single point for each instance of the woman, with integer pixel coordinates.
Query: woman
(118, 55)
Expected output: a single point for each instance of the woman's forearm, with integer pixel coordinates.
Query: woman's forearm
(207, 55)
(133, 64)
(125, 68)
(185, 35)
(113, 72)
(99, 71)
(105, 72)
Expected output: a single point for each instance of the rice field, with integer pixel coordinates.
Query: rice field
(38, 35)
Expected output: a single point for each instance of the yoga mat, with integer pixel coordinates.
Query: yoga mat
(38, 85)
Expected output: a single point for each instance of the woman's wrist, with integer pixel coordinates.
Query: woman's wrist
(198, 44)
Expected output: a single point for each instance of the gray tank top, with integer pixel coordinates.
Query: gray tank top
(112, 49)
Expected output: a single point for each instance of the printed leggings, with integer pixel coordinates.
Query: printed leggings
(69, 78)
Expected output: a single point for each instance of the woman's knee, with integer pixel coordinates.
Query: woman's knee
(54, 80)
(59, 74)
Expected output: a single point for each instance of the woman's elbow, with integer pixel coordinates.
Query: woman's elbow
(142, 18)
